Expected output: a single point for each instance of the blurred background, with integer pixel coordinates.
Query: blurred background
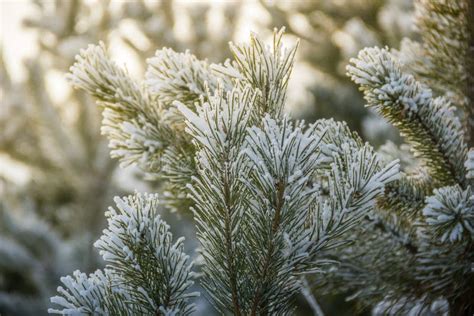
(56, 177)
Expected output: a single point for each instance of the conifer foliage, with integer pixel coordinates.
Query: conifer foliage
(429, 211)
(274, 199)
(146, 271)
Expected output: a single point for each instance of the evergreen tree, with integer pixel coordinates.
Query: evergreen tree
(275, 200)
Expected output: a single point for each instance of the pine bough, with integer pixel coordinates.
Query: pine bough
(273, 199)
(146, 273)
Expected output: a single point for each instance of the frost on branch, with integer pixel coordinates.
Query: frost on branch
(444, 258)
(263, 67)
(450, 211)
(146, 272)
(218, 131)
(92, 295)
(131, 118)
(141, 126)
(178, 76)
(356, 178)
(282, 159)
(292, 217)
(429, 124)
(255, 198)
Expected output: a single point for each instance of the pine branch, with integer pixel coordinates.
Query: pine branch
(450, 213)
(179, 76)
(356, 178)
(429, 124)
(91, 295)
(343, 152)
(264, 68)
(218, 131)
(435, 133)
(444, 59)
(132, 119)
(142, 126)
(444, 260)
(146, 272)
(282, 158)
